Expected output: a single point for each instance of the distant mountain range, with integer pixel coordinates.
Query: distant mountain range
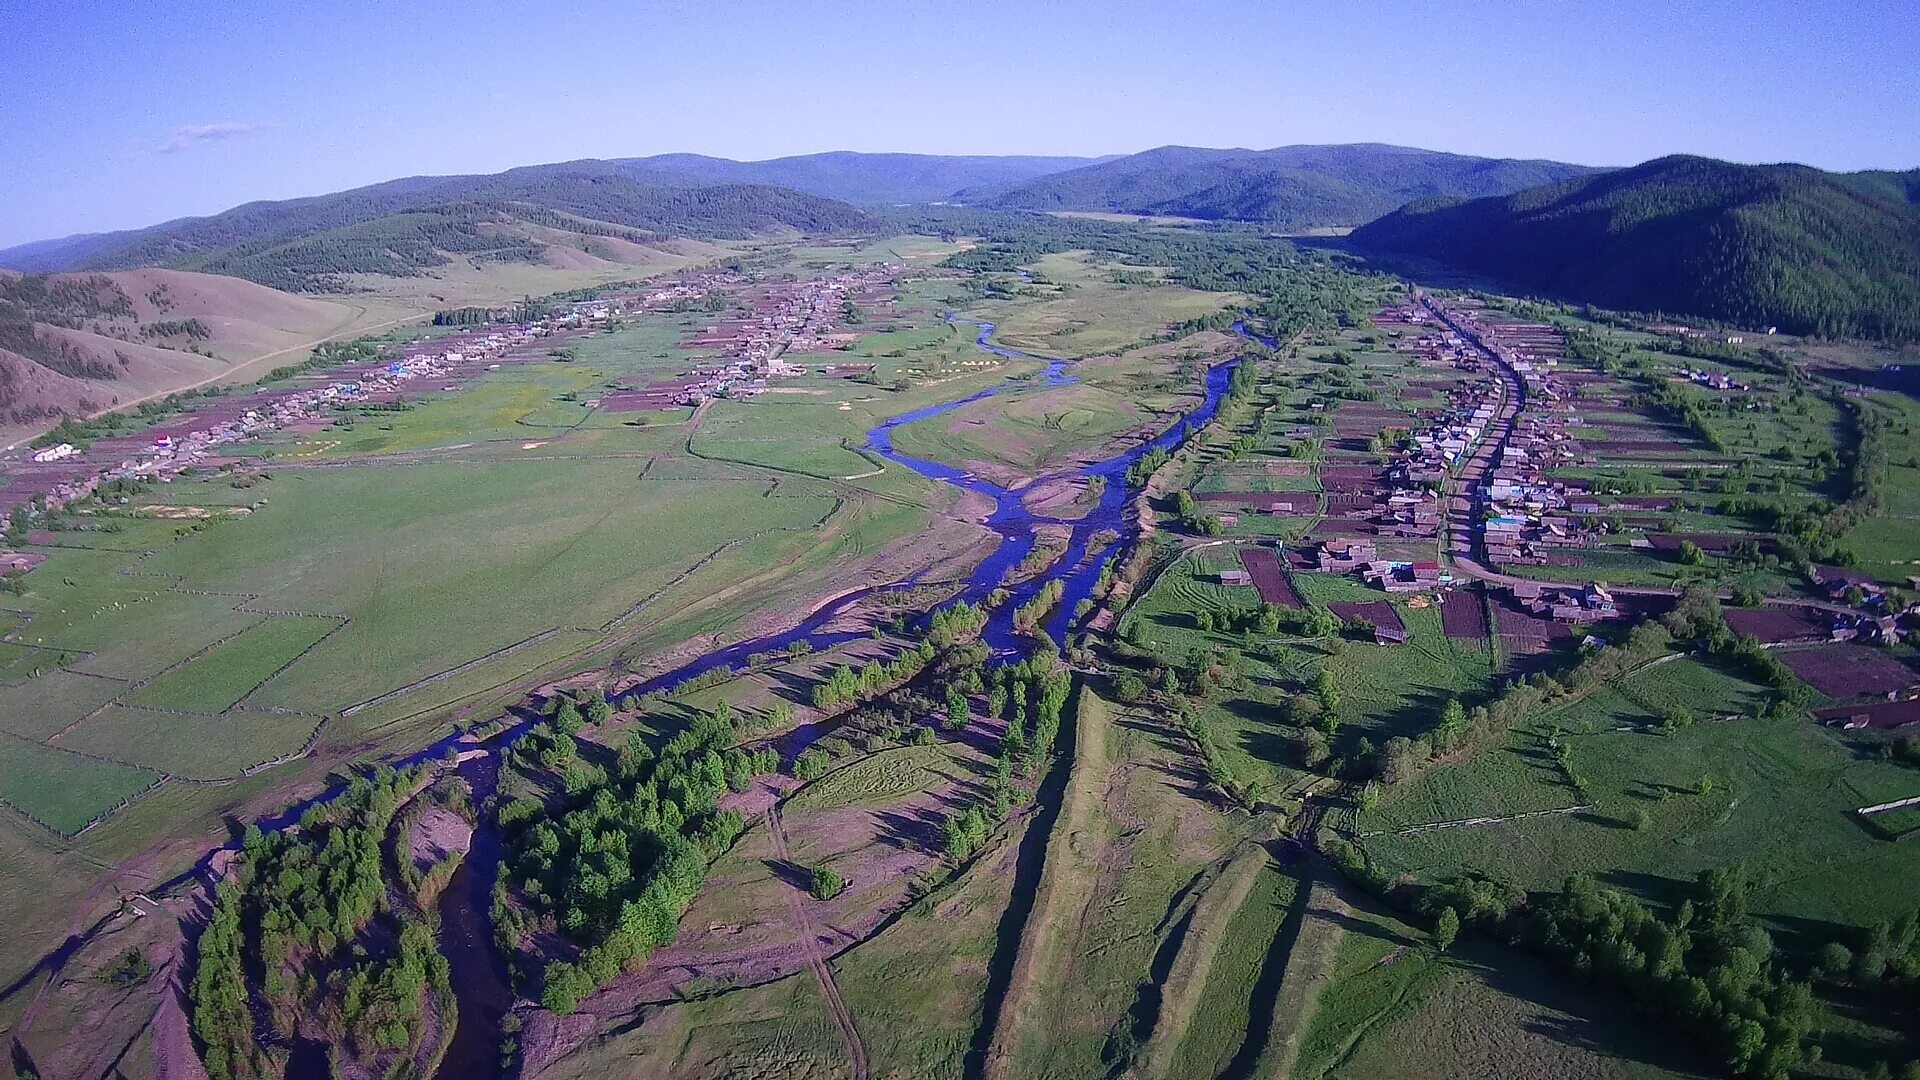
(411, 225)
(1291, 187)
(1779, 244)
(405, 227)
(1834, 254)
(861, 179)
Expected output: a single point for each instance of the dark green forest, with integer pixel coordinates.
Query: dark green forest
(1287, 187)
(1754, 245)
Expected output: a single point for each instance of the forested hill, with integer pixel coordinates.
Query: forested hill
(864, 179)
(1756, 245)
(1288, 187)
(405, 227)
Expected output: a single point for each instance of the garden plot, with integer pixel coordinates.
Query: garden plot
(1845, 671)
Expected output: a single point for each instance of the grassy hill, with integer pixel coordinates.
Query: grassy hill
(76, 343)
(1289, 187)
(409, 226)
(1757, 245)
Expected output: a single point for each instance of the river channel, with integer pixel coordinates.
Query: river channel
(479, 977)
(479, 974)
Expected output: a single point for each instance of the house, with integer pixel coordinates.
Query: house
(1343, 555)
(1235, 577)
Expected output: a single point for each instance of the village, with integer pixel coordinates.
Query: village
(769, 327)
(1482, 478)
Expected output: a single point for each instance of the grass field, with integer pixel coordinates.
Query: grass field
(64, 791)
(191, 747)
(1394, 1010)
(1218, 1012)
(218, 680)
(421, 560)
(1114, 401)
(1078, 311)
(917, 990)
(1779, 798)
(876, 780)
(1386, 690)
(1131, 853)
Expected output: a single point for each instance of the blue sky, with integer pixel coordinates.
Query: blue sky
(116, 115)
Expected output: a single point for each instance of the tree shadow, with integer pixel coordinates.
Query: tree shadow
(791, 873)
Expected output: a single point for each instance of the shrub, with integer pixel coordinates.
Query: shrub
(811, 764)
(826, 883)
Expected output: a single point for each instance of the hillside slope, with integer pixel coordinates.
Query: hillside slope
(76, 343)
(407, 227)
(1288, 187)
(1757, 245)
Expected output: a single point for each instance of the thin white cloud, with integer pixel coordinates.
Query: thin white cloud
(193, 135)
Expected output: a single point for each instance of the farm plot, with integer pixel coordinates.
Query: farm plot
(218, 680)
(1526, 639)
(1846, 671)
(1269, 578)
(1382, 615)
(1774, 624)
(1463, 615)
(65, 791)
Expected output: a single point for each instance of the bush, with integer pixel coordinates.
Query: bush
(131, 969)
(811, 764)
(826, 883)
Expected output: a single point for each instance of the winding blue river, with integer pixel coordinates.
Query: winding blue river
(479, 975)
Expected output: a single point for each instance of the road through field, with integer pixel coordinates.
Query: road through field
(803, 922)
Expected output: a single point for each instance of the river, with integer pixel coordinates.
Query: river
(479, 975)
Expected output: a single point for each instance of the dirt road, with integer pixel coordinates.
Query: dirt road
(803, 922)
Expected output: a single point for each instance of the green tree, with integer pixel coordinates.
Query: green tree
(811, 764)
(1445, 929)
(826, 883)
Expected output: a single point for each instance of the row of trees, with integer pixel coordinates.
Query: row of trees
(1028, 617)
(1035, 688)
(615, 860)
(847, 687)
